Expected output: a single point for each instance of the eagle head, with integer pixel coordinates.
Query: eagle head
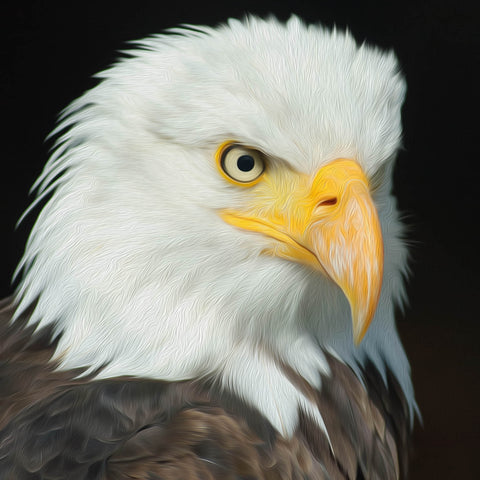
(220, 204)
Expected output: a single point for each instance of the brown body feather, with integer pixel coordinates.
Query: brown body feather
(54, 426)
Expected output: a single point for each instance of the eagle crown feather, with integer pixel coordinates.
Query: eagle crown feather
(129, 258)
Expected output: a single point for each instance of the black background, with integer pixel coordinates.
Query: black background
(50, 50)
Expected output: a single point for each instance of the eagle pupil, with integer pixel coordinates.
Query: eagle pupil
(245, 163)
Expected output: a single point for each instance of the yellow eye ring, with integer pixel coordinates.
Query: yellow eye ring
(239, 165)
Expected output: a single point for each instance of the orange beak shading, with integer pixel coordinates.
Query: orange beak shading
(328, 222)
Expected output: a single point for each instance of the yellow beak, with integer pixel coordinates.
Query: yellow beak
(328, 222)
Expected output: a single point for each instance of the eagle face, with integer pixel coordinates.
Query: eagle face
(221, 202)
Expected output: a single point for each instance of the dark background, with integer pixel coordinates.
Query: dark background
(50, 50)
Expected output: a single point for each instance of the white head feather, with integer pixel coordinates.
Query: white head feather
(129, 258)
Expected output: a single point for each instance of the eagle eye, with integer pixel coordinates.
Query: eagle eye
(241, 165)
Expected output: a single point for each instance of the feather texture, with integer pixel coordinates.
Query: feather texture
(147, 334)
(139, 428)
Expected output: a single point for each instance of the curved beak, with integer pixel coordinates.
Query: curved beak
(327, 221)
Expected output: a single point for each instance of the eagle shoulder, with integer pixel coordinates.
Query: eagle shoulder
(54, 424)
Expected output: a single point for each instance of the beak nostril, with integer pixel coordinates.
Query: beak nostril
(327, 202)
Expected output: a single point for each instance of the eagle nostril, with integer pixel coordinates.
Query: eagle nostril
(327, 202)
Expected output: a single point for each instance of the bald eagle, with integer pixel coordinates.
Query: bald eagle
(209, 289)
